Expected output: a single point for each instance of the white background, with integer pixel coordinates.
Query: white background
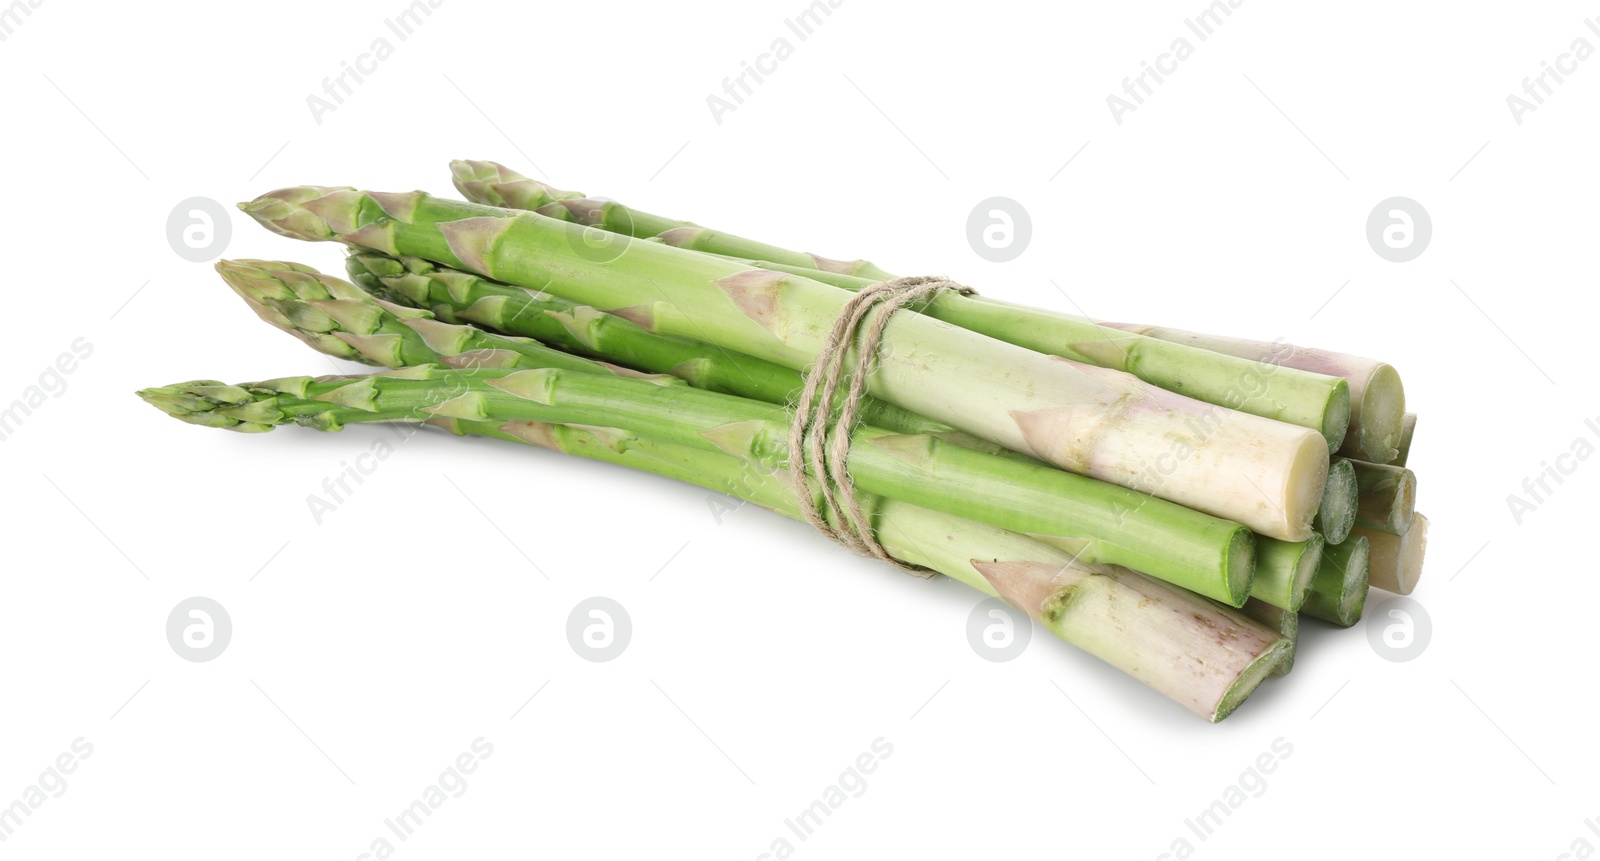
(369, 651)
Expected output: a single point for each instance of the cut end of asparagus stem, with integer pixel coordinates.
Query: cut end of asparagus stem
(1304, 487)
(1336, 419)
(1285, 571)
(1305, 572)
(1257, 672)
(1395, 561)
(1340, 500)
(1290, 629)
(1381, 416)
(1339, 590)
(1388, 496)
(1242, 562)
(1404, 508)
(1285, 622)
(1408, 429)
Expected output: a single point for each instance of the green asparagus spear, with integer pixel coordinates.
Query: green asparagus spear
(1100, 423)
(1092, 520)
(1311, 400)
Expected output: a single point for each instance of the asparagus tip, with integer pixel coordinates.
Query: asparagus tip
(211, 403)
(313, 213)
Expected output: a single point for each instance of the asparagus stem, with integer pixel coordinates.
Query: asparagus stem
(494, 184)
(1205, 657)
(1341, 496)
(1284, 571)
(461, 297)
(1388, 497)
(395, 335)
(1105, 424)
(301, 301)
(464, 298)
(1149, 629)
(1408, 428)
(1316, 401)
(1094, 521)
(342, 320)
(1310, 400)
(1339, 591)
(1377, 398)
(1396, 560)
(1285, 622)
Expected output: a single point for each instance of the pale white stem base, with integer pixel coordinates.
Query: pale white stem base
(1107, 424)
(1394, 562)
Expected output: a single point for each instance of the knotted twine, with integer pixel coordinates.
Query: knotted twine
(819, 440)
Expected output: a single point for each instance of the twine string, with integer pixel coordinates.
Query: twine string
(820, 435)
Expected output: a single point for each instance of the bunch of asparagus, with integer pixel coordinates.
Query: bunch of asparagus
(1168, 501)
